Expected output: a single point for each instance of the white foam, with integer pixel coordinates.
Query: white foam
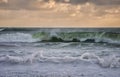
(115, 62)
(1, 29)
(21, 59)
(111, 61)
(17, 37)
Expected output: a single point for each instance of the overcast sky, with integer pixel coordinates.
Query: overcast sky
(29, 4)
(63, 13)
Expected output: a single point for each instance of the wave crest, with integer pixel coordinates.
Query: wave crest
(111, 61)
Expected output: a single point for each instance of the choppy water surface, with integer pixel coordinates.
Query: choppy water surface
(22, 55)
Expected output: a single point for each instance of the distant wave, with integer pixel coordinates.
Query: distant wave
(105, 37)
(17, 37)
(1, 29)
(60, 35)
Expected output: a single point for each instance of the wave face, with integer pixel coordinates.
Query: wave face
(107, 37)
(60, 35)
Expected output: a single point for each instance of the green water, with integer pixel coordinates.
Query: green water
(69, 36)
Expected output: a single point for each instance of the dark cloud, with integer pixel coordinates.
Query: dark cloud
(97, 2)
(17, 4)
(105, 2)
(27, 4)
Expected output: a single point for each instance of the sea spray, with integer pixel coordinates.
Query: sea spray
(17, 37)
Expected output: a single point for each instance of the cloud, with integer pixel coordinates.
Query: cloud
(59, 12)
(106, 2)
(31, 4)
(17, 5)
(3, 1)
(94, 16)
(97, 2)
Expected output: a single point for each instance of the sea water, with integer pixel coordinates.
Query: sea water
(22, 55)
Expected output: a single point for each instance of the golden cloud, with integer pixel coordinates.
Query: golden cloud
(63, 14)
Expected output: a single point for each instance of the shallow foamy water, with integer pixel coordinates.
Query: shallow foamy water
(55, 59)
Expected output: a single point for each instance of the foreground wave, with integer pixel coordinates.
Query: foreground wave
(111, 61)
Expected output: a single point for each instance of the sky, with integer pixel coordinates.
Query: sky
(59, 13)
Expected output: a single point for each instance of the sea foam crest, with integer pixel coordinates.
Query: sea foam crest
(111, 61)
(17, 37)
(21, 59)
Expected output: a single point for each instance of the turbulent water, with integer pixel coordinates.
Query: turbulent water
(59, 52)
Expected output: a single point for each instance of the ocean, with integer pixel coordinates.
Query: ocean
(59, 52)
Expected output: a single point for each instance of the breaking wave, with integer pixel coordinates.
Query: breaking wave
(60, 35)
(110, 61)
(107, 37)
(16, 37)
(1, 29)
